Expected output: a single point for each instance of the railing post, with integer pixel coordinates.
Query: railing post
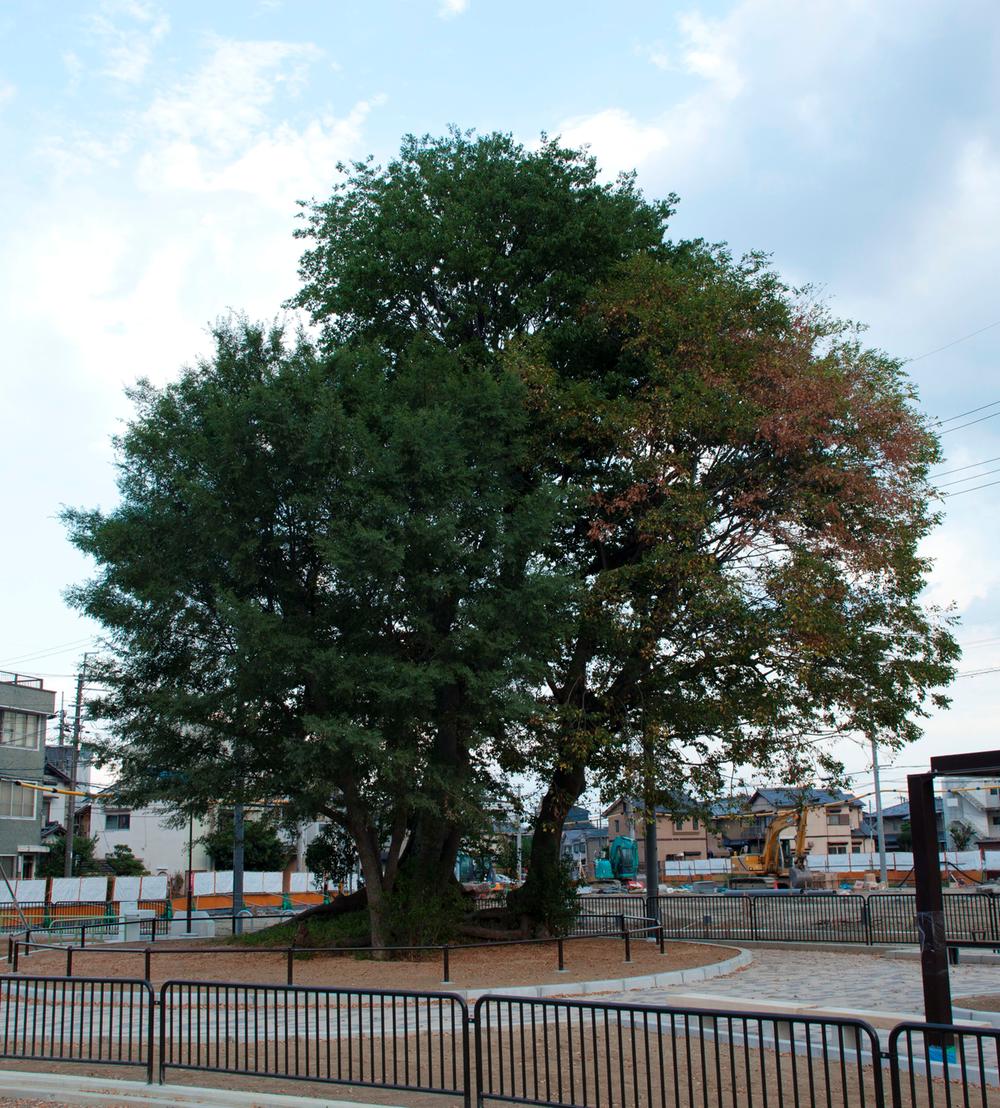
(752, 901)
(446, 980)
(69, 960)
(562, 959)
(628, 941)
(291, 963)
(660, 938)
(993, 915)
(17, 951)
(10, 948)
(83, 935)
(153, 939)
(148, 964)
(867, 919)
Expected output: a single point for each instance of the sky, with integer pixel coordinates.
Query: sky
(152, 154)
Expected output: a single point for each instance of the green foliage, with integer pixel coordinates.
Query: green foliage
(347, 929)
(550, 901)
(467, 241)
(963, 835)
(506, 858)
(264, 850)
(123, 863)
(905, 837)
(84, 862)
(413, 918)
(332, 855)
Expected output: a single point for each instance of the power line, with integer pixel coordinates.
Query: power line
(954, 342)
(978, 672)
(49, 653)
(981, 642)
(971, 423)
(971, 411)
(962, 469)
(971, 477)
(975, 488)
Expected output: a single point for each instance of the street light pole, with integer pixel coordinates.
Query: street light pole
(879, 820)
(190, 889)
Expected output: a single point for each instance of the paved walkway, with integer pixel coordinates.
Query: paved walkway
(834, 980)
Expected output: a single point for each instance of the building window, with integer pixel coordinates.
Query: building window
(694, 825)
(122, 821)
(678, 825)
(618, 827)
(837, 848)
(836, 818)
(16, 802)
(22, 729)
(7, 864)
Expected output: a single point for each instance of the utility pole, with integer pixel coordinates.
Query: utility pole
(238, 840)
(879, 821)
(73, 768)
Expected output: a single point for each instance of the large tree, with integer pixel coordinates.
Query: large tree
(752, 492)
(319, 586)
(550, 491)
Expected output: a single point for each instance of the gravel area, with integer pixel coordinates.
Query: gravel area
(988, 1002)
(478, 967)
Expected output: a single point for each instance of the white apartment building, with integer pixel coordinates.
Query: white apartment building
(974, 801)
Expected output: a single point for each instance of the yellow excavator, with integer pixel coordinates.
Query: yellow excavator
(750, 870)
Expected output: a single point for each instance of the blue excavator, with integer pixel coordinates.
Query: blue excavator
(620, 862)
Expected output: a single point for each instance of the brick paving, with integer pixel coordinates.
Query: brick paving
(864, 981)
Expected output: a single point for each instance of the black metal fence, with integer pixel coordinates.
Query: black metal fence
(414, 1041)
(881, 918)
(547, 1052)
(61, 917)
(934, 1064)
(101, 1021)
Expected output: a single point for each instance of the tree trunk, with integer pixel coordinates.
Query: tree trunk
(568, 782)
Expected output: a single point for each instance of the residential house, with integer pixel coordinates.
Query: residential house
(25, 709)
(895, 815)
(680, 832)
(836, 822)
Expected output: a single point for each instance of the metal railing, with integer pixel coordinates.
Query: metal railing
(40, 915)
(621, 927)
(389, 1039)
(881, 918)
(565, 1052)
(546, 1052)
(939, 1064)
(99, 1021)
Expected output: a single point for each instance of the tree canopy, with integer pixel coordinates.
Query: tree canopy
(550, 495)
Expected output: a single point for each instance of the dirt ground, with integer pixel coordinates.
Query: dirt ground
(478, 967)
(985, 1002)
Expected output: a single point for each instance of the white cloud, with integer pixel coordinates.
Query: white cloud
(708, 50)
(616, 138)
(229, 98)
(448, 9)
(190, 205)
(129, 31)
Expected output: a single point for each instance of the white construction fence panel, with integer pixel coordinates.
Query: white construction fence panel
(126, 889)
(204, 883)
(153, 888)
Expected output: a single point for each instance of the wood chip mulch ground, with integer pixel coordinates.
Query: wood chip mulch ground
(478, 967)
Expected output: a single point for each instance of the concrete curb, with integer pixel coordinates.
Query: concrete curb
(71, 1089)
(619, 984)
(991, 1018)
